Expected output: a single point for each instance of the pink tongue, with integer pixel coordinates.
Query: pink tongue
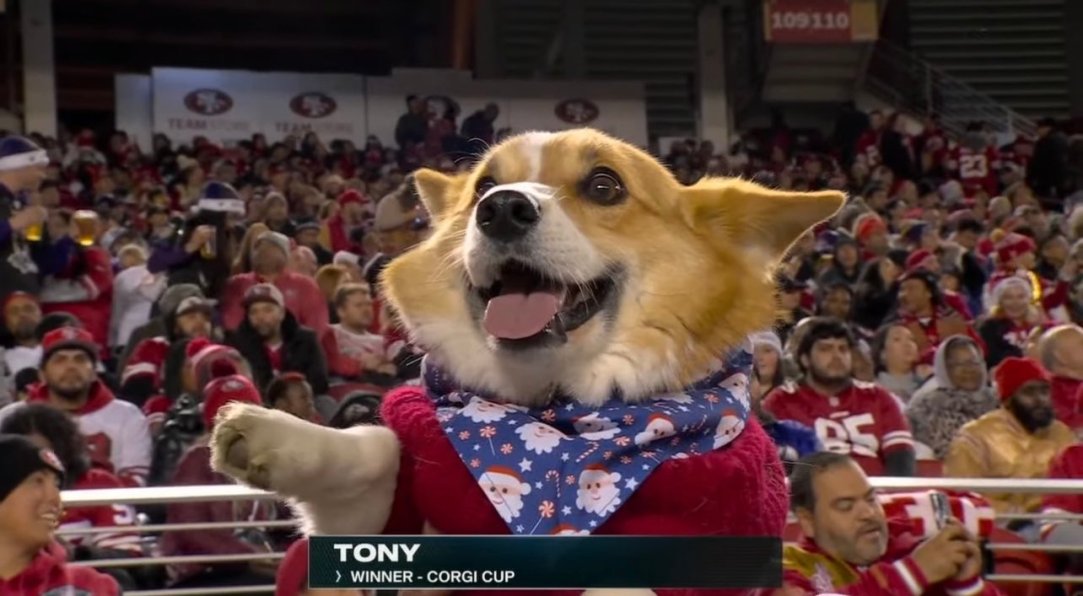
(515, 316)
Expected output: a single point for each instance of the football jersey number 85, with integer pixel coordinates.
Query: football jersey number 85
(849, 435)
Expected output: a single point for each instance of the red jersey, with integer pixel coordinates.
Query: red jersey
(49, 573)
(1068, 466)
(864, 420)
(115, 516)
(976, 169)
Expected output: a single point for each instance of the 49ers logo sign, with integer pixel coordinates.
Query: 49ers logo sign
(313, 105)
(577, 111)
(208, 102)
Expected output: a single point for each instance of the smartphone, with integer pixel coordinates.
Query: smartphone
(941, 508)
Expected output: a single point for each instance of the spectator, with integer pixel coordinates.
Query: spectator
(195, 469)
(22, 315)
(791, 312)
(307, 234)
(1012, 320)
(412, 126)
(338, 230)
(874, 299)
(156, 363)
(290, 393)
(849, 417)
(116, 431)
(1018, 440)
(895, 356)
(921, 309)
(270, 256)
(276, 214)
(836, 301)
(303, 261)
(1061, 352)
(135, 292)
(849, 545)
(242, 263)
(31, 561)
(272, 340)
(353, 351)
(1047, 171)
(767, 350)
(54, 430)
(23, 260)
(478, 129)
(160, 324)
(958, 393)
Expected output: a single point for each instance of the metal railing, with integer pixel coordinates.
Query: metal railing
(913, 85)
(191, 494)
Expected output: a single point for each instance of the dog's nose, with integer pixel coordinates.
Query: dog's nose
(507, 215)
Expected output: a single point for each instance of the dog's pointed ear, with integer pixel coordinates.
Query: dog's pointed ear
(437, 191)
(752, 216)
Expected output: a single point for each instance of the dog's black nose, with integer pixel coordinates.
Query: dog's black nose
(507, 215)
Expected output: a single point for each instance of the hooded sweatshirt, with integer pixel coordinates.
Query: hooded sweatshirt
(938, 410)
(48, 573)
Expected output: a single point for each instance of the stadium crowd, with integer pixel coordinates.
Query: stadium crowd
(932, 327)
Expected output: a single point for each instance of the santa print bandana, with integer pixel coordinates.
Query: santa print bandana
(565, 468)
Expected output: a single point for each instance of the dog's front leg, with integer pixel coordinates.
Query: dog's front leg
(342, 481)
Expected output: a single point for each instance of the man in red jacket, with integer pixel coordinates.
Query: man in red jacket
(30, 511)
(270, 257)
(1061, 353)
(849, 546)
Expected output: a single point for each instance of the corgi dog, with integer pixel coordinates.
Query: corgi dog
(566, 263)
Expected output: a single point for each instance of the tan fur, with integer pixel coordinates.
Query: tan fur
(698, 259)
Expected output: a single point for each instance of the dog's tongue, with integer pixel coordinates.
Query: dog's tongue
(516, 316)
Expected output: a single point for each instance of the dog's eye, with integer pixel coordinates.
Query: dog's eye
(484, 185)
(603, 187)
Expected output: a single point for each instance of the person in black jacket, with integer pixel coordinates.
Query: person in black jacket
(24, 257)
(273, 342)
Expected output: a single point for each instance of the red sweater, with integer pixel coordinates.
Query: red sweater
(94, 311)
(738, 490)
(49, 573)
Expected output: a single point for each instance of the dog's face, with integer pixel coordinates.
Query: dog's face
(573, 261)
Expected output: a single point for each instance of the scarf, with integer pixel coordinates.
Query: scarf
(564, 468)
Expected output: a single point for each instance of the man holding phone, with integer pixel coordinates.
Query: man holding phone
(849, 546)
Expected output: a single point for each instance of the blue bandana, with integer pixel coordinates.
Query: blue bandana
(566, 468)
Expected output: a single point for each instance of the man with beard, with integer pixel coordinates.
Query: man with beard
(1018, 440)
(116, 432)
(850, 547)
(22, 313)
(270, 260)
(273, 342)
(849, 416)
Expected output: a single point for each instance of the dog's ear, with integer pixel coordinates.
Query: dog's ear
(752, 216)
(437, 191)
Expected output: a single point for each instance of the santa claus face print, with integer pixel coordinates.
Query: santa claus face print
(728, 428)
(480, 410)
(598, 492)
(505, 491)
(596, 428)
(539, 438)
(657, 428)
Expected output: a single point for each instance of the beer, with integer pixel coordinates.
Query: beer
(86, 227)
(209, 250)
(33, 233)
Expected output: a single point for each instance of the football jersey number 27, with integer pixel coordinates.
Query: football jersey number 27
(849, 435)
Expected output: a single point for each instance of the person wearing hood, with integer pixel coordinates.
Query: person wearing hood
(958, 392)
(845, 264)
(116, 432)
(158, 326)
(31, 560)
(272, 341)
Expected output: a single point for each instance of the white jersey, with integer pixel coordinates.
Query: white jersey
(116, 432)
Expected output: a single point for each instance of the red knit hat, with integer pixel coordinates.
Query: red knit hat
(1013, 245)
(195, 346)
(148, 358)
(351, 195)
(220, 392)
(68, 338)
(866, 225)
(918, 259)
(1013, 373)
(292, 576)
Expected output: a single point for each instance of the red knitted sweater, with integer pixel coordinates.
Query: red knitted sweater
(738, 490)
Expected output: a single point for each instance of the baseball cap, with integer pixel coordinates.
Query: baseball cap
(68, 338)
(22, 458)
(193, 304)
(264, 293)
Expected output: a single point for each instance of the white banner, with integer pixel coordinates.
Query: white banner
(228, 106)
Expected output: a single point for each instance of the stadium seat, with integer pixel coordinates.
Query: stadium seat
(1015, 562)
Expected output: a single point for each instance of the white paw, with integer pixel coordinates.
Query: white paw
(258, 446)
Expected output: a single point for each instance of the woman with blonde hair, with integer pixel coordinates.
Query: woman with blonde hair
(243, 262)
(329, 278)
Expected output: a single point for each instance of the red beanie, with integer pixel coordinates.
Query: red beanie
(292, 573)
(147, 359)
(1014, 245)
(1013, 373)
(916, 260)
(220, 392)
(866, 225)
(195, 346)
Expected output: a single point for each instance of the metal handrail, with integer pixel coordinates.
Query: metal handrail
(190, 527)
(916, 86)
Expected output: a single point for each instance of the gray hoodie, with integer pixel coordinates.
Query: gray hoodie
(939, 409)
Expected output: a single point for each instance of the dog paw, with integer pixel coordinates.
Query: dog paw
(248, 444)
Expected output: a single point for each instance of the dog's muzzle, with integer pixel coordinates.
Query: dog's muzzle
(507, 215)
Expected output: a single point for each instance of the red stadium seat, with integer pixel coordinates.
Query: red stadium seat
(1018, 562)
